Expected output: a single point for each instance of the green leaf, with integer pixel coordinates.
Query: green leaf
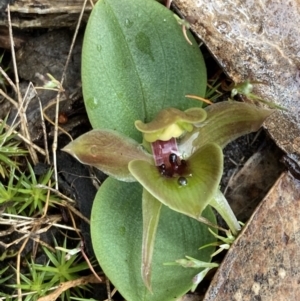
(135, 62)
(225, 122)
(109, 151)
(204, 171)
(116, 228)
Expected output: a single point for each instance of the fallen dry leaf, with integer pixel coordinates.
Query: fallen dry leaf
(252, 182)
(264, 261)
(256, 40)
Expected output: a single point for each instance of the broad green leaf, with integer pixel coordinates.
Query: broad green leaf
(135, 62)
(116, 228)
(151, 214)
(204, 171)
(225, 122)
(109, 151)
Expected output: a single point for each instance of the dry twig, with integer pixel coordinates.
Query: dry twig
(21, 111)
(54, 145)
(69, 284)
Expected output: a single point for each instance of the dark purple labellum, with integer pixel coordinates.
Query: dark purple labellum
(166, 158)
(162, 149)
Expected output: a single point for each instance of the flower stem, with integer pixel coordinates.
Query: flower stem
(220, 203)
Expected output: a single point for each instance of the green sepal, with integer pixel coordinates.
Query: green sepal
(109, 151)
(225, 122)
(151, 214)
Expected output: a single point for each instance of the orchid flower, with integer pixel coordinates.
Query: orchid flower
(179, 163)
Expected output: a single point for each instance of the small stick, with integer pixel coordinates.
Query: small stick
(21, 110)
(88, 262)
(199, 98)
(92, 3)
(54, 123)
(67, 285)
(12, 101)
(168, 3)
(8, 79)
(108, 289)
(40, 150)
(185, 34)
(44, 132)
(54, 145)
